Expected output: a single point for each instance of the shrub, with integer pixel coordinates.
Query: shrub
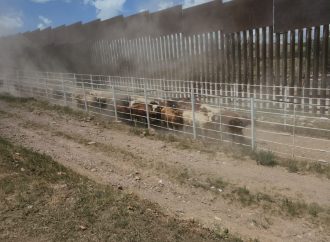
(265, 158)
(292, 166)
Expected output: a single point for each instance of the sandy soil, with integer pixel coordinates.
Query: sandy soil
(151, 168)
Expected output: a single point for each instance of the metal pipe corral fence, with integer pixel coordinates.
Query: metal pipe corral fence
(288, 125)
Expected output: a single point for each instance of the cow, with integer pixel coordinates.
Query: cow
(233, 120)
(181, 103)
(202, 121)
(123, 109)
(139, 113)
(95, 99)
(80, 99)
(232, 123)
(100, 98)
(200, 118)
(172, 117)
(209, 120)
(209, 109)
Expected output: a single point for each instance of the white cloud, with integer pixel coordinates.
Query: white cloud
(44, 22)
(190, 3)
(153, 5)
(107, 8)
(165, 4)
(10, 24)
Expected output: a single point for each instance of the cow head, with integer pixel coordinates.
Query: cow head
(154, 106)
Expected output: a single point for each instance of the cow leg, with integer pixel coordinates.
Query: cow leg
(172, 125)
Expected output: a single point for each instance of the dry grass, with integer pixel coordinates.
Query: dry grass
(42, 200)
(264, 158)
(298, 166)
(268, 158)
(240, 195)
(282, 205)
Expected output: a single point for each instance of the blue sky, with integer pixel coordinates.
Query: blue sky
(26, 15)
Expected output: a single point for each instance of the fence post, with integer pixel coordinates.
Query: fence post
(129, 95)
(294, 129)
(114, 99)
(17, 81)
(146, 102)
(63, 89)
(193, 109)
(253, 131)
(234, 87)
(17, 76)
(132, 85)
(85, 100)
(165, 90)
(91, 79)
(75, 84)
(220, 118)
(46, 86)
(7, 83)
(303, 100)
(285, 105)
(32, 83)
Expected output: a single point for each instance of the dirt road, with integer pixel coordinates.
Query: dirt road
(212, 188)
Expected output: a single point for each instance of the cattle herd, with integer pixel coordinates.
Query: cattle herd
(175, 113)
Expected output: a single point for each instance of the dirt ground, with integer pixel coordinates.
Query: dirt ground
(179, 180)
(41, 200)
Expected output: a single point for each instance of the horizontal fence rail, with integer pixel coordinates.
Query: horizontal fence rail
(281, 119)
